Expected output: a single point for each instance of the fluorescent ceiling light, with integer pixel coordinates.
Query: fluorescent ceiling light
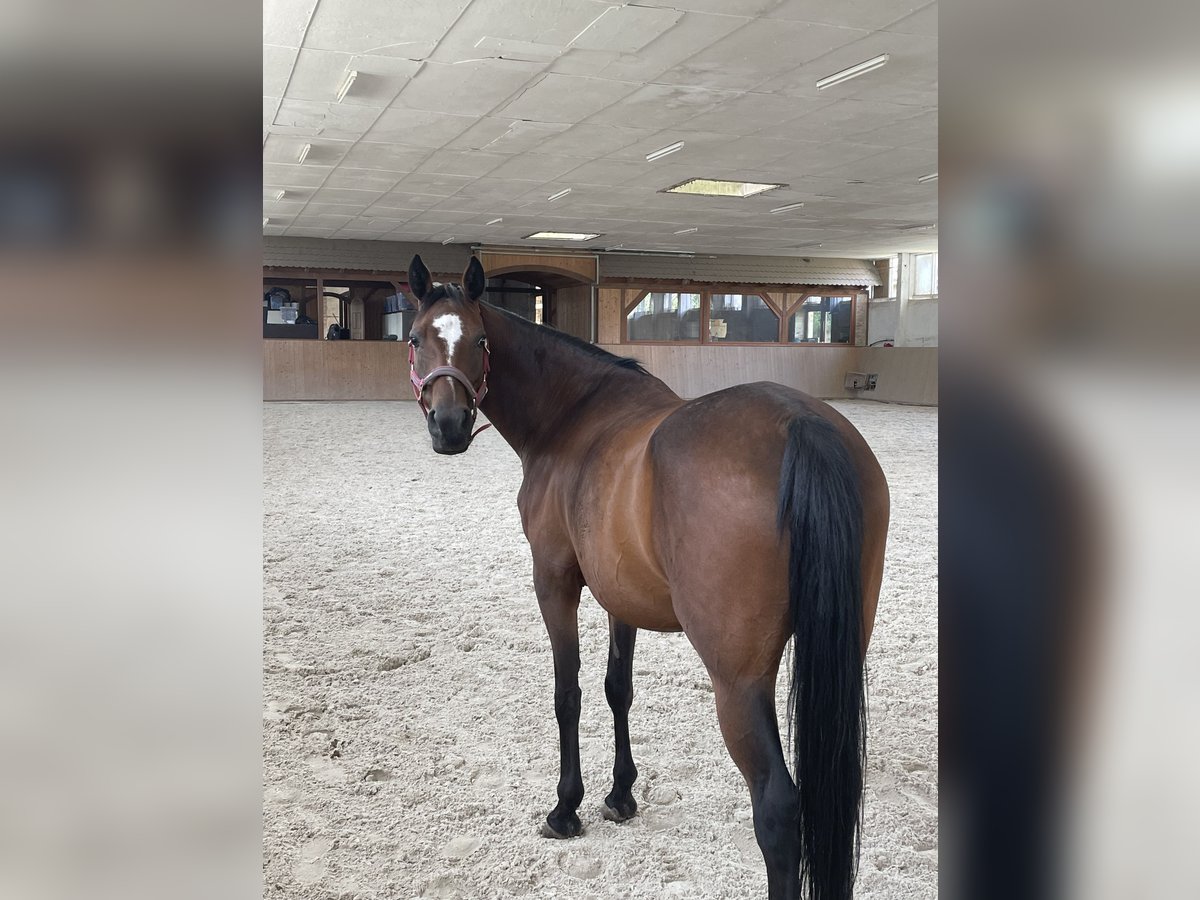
(304, 153)
(787, 208)
(265, 220)
(687, 230)
(347, 83)
(278, 195)
(641, 251)
(495, 221)
(710, 187)
(559, 236)
(664, 151)
(926, 178)
(862, 68)
(448, 240)
(561, 193)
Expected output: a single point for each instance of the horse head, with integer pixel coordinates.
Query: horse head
(447, 343)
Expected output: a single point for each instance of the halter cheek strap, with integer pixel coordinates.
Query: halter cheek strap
(419, 384)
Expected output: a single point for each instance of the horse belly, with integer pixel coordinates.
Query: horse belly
(633, 592)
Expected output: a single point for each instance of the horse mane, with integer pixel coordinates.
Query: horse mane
(553, 335)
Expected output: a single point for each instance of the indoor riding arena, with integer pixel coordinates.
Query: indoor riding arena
(728, 193)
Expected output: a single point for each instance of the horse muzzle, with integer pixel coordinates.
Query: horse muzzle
(450, 428)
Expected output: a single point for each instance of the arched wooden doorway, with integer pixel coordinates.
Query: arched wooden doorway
(558, 290)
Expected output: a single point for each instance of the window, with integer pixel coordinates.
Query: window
(821, 320)
(742, 317)
(665, 316)
(925, 275)
(720, 316)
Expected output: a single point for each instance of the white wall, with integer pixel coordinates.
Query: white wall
(918, 325)
(906, 320)
(882, 318)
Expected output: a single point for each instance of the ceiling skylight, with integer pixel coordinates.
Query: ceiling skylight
(559, 236)
(711, 187)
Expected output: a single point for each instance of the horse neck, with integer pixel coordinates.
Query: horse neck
(539, 388)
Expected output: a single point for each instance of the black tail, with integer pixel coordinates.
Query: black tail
(821, 507)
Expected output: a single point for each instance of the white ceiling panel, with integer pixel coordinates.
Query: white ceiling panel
(471, 87)
(923, 21)
(277, 69)
(566, 98)
(285, 21)
(690, 35)
(920, 130)
(660, 106)
(288, 175)
(846, 118)
(868, 14)
(362, 179)
(759, 51)
(432, 185)
(588, 142)
(361, 198)
(320, 73)
(467, 110)
(551, 23)
(324, 120)
(286, 208)
(606, 171)
(626, 29)
(409, 28)
(910, 75)
(417, 127)
(905, 164)
(475, 163)
(285, 148)
(538, 167)
(500, 135)
(753, 113)
(749, 8)
(317, 208)
(384, 157)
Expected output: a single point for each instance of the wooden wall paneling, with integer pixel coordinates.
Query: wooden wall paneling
(608, 328)
(693, 370)
(335, 370)
(585, 268)
(574, 311)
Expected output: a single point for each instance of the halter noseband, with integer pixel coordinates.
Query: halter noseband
(419, 384)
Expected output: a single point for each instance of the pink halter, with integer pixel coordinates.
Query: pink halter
(419, 384)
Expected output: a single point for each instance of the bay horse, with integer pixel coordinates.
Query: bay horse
(745, 518)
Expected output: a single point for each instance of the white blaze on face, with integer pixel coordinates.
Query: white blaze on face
(449, 329)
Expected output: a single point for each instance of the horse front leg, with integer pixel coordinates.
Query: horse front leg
(558, 597)
(619, 805)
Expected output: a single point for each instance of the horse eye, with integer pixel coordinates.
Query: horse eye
(414, 340)
(482, 342)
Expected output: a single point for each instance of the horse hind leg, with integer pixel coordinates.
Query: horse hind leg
(746, 713)
(619, 805)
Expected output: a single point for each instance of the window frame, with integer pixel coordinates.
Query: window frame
(793, 308)
(772, 298)
(933, 277)
(706, 292)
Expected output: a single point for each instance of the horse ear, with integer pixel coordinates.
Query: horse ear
(418, 278)
(474, 280)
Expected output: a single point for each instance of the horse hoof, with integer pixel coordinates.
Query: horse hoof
(570, 828)
(619, 810)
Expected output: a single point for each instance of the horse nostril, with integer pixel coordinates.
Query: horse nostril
(466, 418)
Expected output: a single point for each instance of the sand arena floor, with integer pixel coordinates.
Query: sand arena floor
(410, 748)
